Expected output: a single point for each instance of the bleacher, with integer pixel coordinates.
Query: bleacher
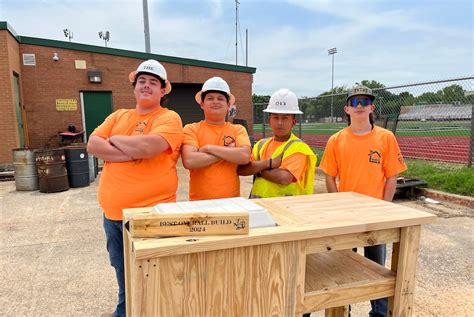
(439, 112)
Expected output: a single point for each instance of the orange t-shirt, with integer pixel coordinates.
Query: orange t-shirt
(219, 180)
(143, 182)
(294, 163)
(363, 163)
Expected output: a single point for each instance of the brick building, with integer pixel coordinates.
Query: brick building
(47, 85)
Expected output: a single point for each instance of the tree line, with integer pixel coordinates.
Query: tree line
(386, 102)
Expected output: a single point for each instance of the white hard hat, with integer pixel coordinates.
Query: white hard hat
(283, 101)
(151, 67)
(215, 84)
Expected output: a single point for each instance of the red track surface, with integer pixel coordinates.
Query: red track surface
(444, 148)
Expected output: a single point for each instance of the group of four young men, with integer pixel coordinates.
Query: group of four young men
(141, 147)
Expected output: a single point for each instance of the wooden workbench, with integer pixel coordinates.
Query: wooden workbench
(302, 265)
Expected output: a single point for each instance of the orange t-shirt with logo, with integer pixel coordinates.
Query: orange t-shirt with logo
(219, 180)
(363, 163)
(142, 182)
(294, 163)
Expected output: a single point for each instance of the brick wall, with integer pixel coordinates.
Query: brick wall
(9, 62)
(49, 80)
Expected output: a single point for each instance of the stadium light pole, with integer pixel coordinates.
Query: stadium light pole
(146, 26)
(332, 51)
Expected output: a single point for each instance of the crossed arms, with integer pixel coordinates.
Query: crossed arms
(209, 154)
(122, 148)
(270, 171)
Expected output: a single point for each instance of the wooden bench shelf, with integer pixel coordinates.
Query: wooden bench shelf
(338, 278)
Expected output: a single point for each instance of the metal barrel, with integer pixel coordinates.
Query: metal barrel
(91, 168)
(26, 177)
(52, 173)
(77, 165)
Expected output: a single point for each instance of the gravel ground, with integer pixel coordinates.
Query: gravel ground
(54, 261)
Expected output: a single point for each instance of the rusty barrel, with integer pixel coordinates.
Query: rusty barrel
(26, 177)
(77, 165)
(52, 173)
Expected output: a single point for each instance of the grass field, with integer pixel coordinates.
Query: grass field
(451, 178)
(406, 128)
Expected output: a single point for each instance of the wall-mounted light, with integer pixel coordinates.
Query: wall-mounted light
(95, 76)
(55, 57)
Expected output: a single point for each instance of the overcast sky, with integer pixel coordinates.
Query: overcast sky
(393, 42)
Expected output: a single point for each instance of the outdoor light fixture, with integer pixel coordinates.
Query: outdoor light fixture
(95, 76)
(105, 36)
(55, 57)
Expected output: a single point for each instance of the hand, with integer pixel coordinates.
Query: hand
(276, 162)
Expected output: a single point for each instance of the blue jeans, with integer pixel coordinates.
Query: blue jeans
(377, 253)
(113, 234)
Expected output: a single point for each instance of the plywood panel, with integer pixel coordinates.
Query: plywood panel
(264, 280)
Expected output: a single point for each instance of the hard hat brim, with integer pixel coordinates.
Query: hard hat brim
(283, 111)
(198, 98)
(132, 75)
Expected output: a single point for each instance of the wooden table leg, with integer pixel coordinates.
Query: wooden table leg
(126, 259)
(404, 260)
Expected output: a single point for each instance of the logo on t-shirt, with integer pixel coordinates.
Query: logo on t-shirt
(374, 157)
(140, 126)
(400, 158)
(228, 140)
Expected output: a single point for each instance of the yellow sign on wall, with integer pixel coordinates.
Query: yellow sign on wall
(66, 104)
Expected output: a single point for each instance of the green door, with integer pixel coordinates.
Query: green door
(97, 106)
(19, 114)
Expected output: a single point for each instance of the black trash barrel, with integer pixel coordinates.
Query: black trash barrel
(52, 173)
(77, 165)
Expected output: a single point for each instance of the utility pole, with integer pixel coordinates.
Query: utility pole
(236, 28)
(146, 26)
(246, 47)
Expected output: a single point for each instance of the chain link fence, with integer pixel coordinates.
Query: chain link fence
(431, 120)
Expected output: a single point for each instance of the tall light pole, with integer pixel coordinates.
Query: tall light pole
(236, 27)
(146, 26)
(332, 51)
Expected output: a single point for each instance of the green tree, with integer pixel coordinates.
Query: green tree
(429, 98)
(372, 84)
(453, 94)
(259, 103)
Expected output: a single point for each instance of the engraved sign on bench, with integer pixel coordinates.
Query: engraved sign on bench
(201, 217)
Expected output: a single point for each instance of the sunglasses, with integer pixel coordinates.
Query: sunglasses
(354, 102)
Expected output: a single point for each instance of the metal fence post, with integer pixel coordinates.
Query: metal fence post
(471, 144)
(299, 127)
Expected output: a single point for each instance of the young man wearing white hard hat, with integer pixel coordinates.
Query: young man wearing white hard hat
(213, 148)
(367, 160)
(140, 148)
(283, 165)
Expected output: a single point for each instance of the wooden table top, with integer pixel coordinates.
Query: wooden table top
(298, 218)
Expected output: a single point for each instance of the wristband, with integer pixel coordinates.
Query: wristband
(270, 163)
